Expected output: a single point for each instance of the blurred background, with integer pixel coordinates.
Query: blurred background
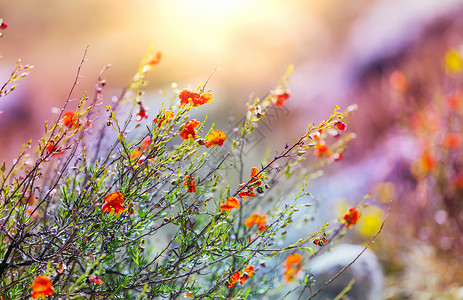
(343, 53)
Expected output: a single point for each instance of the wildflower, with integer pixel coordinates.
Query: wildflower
(142, 113)
(3, 26)
(455, 101)
(41, 286)
(337, 156)
(187, 295)
(190, 184)
(233, 279)
(216, 137)
(231, 202)
(254, 176)
(320, 148)
(153, 62)
(452, 140)
(96, 279)
(69, 119)
(168, 115)
(398, 81)
(246, 274)
(320, 241)
(259, 219)
(340, 125)
(292, 266)
(351, 217)
(188, 130)
(280, 97)
(247, 193)
(453, 62)
(114, 201)
(195, 99)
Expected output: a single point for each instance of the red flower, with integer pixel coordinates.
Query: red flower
(216, 137)
(292, 266)
(254, 176)
(340, 125)
(320, 241)
(69, 119)
(188, 130)
(41, 287)
(142, 113)
(351, 217)
(195, 99)
(280, 97)
(248, 193)
(156, 59)
(114, 201)
(190, 184)
(233, 279)
(259, 219)
(452, 140)
(145, 143)
(96, 279)
(3, 26)
(231, 202)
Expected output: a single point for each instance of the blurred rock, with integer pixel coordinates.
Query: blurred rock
(366, 271)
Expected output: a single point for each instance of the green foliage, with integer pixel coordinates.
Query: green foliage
(60, 217)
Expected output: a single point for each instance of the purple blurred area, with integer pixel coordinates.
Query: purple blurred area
(342, 52)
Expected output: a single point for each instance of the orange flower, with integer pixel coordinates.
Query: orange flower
(247, 273)
(231, 202)
(69, 119)
(292, 266)
(452, 140)
(398, 81)
(41, 287)
(188, 130)
(195, 99)
(216, 137)
(248, 193)
(156, 59)
(145, 143)
(253, 176)
(280, 97)
(320, 148)
(233, 279)
(190, 184)
(114, 201)
(351, 217)
(258, 219)
(96, 279)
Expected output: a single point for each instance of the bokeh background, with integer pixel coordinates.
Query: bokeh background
(343, 53)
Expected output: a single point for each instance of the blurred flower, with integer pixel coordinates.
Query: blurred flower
(351, 217)
(292, 266)
(280, 97)
(453, 62)
(142, 113)
(455, 101)
(69, 119)
(258, 219)
(216, 137)
(190, 184)
(233, 279)
(340, 125)
(188, 131)
(41, 287)
(320, 148)
(398, 81)
(3, 26)
(231, 202)
(156, 59)
(372, 218)
(114, 201)
(96, 279)
(452, 140)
